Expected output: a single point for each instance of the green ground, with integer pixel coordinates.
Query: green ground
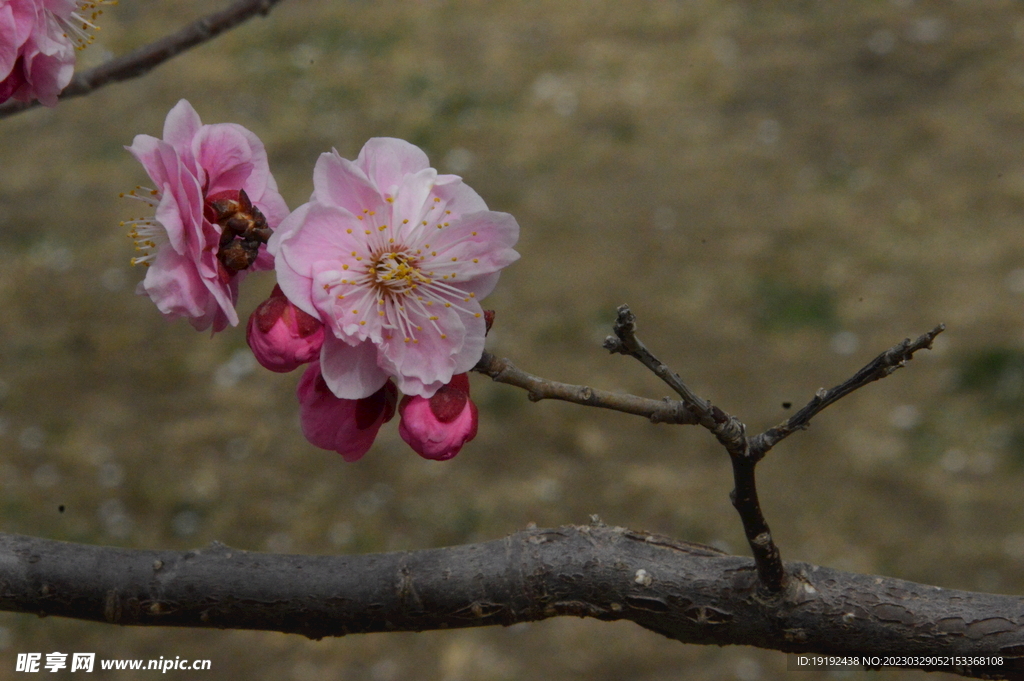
(778, 193)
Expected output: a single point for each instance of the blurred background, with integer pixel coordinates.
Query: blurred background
(779, 190)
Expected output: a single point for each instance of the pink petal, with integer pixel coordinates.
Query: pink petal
(49, 66)
(472, 348)
(36, 59)
(14, 81)
(411, 203)
(10, 40)
(486, 235)
(312, 238)
(224, 154)
(457, 197)
(169, 216)
(176, 288)
(386, 161)
(145, 149)
(350, 311)
(183, 217)
(339, 182)
(296, 283)
(423, 366)
(181, 126)
(480, 286)
(328, 233)
(269, 200)
(28, 17)
(351, 372)
(225, 294)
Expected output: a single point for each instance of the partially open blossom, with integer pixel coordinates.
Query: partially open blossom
(281, 336)
(215, 202)
(348, 427)
(393, 259)
(438, 426)
(38, 39)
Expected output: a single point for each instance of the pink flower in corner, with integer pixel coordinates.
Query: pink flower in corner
(38, 39)
(437, 427)
(394, 260)
(348, 427)
(215, 202)
(281, 336)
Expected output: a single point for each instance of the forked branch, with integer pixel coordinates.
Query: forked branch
(744, 452)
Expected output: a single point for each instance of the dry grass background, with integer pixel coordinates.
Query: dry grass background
(780, 190)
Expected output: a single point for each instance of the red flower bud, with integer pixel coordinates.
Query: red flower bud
(348, 427)
(437, 427)
(281, 336)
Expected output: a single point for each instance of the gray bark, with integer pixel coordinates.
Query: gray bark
(688, 592)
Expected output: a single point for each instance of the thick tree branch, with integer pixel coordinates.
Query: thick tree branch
(144, 59)
(688, 592)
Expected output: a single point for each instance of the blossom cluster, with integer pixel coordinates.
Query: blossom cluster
(379, 275)
(38, 39)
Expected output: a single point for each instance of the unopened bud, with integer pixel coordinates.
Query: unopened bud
(281, 336)
(347, 427)
(437, 427)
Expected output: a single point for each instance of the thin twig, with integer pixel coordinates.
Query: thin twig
(880, 367)
(148, 57)
(658, 411)
(625, 342)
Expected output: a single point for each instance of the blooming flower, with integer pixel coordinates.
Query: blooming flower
(38, 39)
(215, 201)
(348, 427)
(281, 336)
(393, 259)
(437, 427)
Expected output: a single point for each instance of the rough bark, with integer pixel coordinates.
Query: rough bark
(688, 592)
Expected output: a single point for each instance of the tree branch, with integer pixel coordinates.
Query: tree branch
(880, 367)
(731, 433)
(144, 59)
(658, 411)
(687, 592)
(745, 452)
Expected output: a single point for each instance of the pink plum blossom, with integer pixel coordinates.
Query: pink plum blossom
(348, 427)
(209, 179)
(281, 336)
(394, 259)
(38, 39)
(438, 426)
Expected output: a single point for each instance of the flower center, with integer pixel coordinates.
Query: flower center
(395, 274)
